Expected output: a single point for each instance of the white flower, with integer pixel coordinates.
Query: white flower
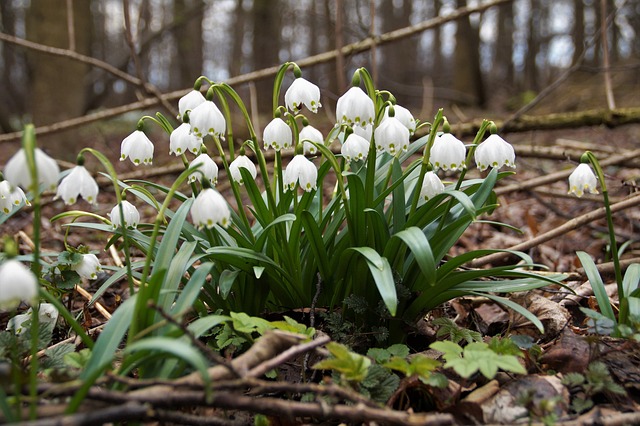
(310, 133)
(404, 115)
(138, 148)
(207, 168)
(189, 102)
(355, 107)
(391, 136)
(431, 186)
(131, 215)
(302, 92)
(47, 315)
(495, 152)
(210, 208)
(11, 197)
(366, 131)
(17, 170)
(17, 283)
(78, 182)
(448, 153)
(277, 135)
(89, 267)
(582, 179)
(300, 170)
(355, 147)
(206, 119)
(182, 140)
(242, 161)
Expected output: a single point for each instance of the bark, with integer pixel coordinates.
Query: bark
(188, 35)
(466, 70)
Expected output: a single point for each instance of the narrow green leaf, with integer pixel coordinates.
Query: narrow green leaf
(631, 280)
(597, 284)
(382, 275)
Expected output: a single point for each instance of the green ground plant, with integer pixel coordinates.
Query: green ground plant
(372, 224)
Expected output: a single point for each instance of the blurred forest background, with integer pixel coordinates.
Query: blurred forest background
(496, 59)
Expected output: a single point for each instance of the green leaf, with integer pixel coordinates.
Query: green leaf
(419, 245)
(226, 280)
(352, 366)
(382, 275)
(191, 290)
(597, 285)
(68, 258)
(631, 280)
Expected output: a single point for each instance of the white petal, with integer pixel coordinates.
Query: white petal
(210, 208)
(244, 162)
(355, 108)
(355, 147)
(17, 283)
(302, 92)
(391, 136)
(182, 140)
(130, 212)
(431, 186)
(277, 135)
(582, 179)
(207, 119)
(448, 153)
(189, 102)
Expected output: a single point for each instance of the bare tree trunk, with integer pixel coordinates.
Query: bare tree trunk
(502, 68)
(57, 83)
(237, 56)
(467, 73)
(578, 29)
(187, 64)
(266, 45)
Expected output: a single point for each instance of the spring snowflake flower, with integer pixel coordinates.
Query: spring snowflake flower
(302, 92)
(189, 102)
(17, 284)
(182, 140)
(138, 148)
(431, 186)
(582, 179)
(310, 133)
(11, 197)
(17, 170)
(355, 147)
(448, 153)
(495, 152)
(300, 170)
(78, 182)
(207, 119)
(207, 168)
(242, 161)
(210, 208)
(277, 135)
(391, 136)
(89, 267)
(131, 216)
(404, 115)
(47, 315)
(355, 108)
(366, 131)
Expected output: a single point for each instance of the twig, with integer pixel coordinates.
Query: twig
(71, 26)
(556, 232)
(84, 293)
(209, 353)
(272, 363)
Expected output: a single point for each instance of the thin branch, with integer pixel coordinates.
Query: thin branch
(605, 54)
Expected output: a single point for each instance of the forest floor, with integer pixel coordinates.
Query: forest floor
(567, 346)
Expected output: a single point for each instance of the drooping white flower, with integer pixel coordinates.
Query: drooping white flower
(17, 284)
(11, 197)
(404, 115)
(47, 315)
(207, 119)
(365, 132)
(495, 152)
(78, 182)
(242, 161)
(182, 140)
(210, 208)
(355, 147)
(448, 153)
(17, 170)
(310, 133)
(131, 216)
(300, 170)
(189, 102)
(355, 108)
(277, 135)
(582, 179)
(207, 168)
(138, 148)
(89, 267)
(391, 136)
(302, 92)
(431, 186)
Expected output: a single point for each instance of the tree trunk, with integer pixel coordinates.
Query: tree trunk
(466, 72)
(578, 29)
(57, 88)
(187, 64)
(266, 46)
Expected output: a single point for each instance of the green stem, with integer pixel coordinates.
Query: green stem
(623, 315)
(439, 118)
(29, 146)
